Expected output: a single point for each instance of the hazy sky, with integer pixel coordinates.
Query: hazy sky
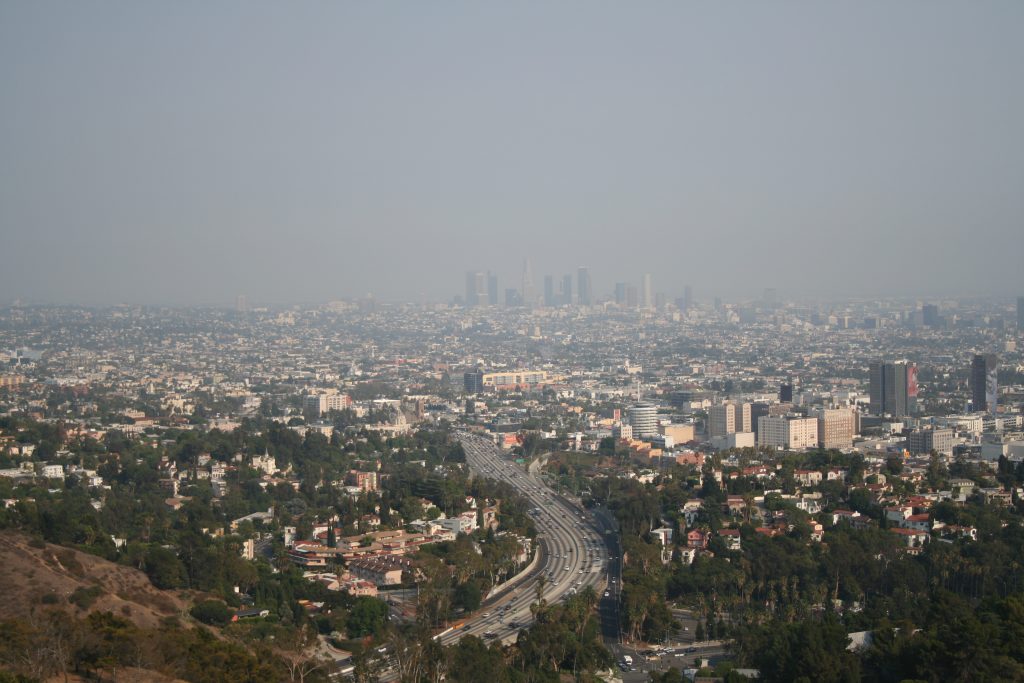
(187, 152)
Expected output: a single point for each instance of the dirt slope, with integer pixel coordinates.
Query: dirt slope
(29, 573)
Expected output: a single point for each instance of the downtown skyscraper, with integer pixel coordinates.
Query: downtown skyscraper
(586, 295)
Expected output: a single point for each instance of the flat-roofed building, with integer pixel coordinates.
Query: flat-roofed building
(926, 440)
(788, 431)
(836, 427)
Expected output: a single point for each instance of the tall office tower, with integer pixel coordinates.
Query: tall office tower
(241, 304)
(930, 315)
(644, 419)
(728, 418)
(513, 298)
(647, 301)
(492, 289)
(893, 388)
(1020, 312)
(984, 382)
(549, 291)
(527, 289)
(586, 295)
(473, 382)
(786, 393)
(687, 298)
(632, 299)
(567, 290)
(620, 293)
(476, 288)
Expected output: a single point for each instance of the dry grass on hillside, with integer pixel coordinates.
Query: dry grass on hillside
(52, 574)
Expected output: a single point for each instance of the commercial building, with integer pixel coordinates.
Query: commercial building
(984, 382)
(473, 382)
(893, 388)
(922, 441)
(643, 417)
(647, 302)
(476, 382)
(620, 293)
(680, 433)
(476, 288)
(790, 432)
(586, 295)
(836, 427)
(492, 289)
(549, 291)
(759, 410)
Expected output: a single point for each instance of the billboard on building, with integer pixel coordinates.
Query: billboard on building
(991, 389)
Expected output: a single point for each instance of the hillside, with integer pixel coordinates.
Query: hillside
(34, 573)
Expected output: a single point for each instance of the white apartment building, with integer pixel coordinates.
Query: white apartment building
(788, 431)
(728, 418)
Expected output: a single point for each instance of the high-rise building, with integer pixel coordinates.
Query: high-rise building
(473, 382)
(513, 298)
(620, 293)
(788, 431)
(687, 298)
(728, 418)
(549, 291)
(583, 286)
(644, 419)
(759, 410)
(567, 290)
(1020, 312)
(647, 300)
(984, 382)
(786, 393)
(893, 388)
(241, 304)
(492, 289)
(836, 427)
(527, 289)
(476, 288)
(930, 315)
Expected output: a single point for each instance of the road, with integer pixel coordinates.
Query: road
(570, 542)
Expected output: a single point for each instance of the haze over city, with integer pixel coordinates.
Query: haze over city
(185, 153)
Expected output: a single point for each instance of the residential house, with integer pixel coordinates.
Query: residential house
(731, 538)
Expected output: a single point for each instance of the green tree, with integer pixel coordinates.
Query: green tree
(366, 617)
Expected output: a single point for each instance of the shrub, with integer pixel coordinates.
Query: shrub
(84, 597)
(213, 612)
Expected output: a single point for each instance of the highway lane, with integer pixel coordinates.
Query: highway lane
(570, 544)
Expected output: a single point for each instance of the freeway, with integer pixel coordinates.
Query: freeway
(570, 542)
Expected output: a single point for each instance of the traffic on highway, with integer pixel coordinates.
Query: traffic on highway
(571, 553)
